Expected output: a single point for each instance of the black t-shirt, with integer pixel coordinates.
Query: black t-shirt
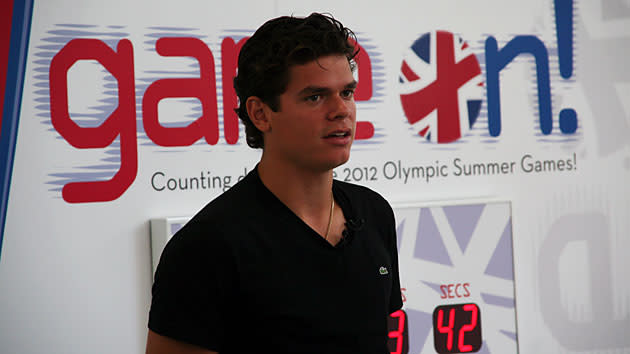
(247, 275)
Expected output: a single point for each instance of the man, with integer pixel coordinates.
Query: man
(287, 260)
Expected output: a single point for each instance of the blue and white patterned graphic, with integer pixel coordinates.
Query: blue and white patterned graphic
(461, 244)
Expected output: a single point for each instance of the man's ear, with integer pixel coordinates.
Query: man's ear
(259, 113)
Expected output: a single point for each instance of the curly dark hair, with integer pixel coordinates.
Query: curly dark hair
(265, 59)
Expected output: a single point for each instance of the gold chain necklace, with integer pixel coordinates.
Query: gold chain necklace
(330, 218)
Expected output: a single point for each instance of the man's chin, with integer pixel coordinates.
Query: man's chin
(340, 162)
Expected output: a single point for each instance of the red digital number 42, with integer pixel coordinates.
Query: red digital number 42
(462, 320)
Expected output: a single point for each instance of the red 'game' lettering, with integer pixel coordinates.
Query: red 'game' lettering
(229, 61)
(203, 88)
(121, 122)
(363, 92)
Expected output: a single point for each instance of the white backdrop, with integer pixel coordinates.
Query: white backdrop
(75, 277)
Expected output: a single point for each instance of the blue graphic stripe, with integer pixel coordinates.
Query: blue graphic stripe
(20, 33)
(497, 300)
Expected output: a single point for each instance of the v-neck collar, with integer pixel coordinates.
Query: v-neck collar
(276, 208)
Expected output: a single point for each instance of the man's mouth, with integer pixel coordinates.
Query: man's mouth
(338, 134)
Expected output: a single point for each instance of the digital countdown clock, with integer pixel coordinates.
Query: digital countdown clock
(456, 329)
(456, 268)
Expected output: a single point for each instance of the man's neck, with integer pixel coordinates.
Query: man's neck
(307, 193)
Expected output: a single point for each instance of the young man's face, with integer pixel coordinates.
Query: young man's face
(315, 124)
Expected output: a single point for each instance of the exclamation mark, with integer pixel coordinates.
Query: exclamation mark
(564, 34)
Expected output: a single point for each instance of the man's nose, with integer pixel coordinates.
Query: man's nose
(340, 107)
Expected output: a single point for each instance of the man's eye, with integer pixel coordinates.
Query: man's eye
(313, 98)
(347, 93)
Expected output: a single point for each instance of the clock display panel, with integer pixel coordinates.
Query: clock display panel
(456, 268)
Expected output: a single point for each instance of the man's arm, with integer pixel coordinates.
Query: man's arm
(158, 344)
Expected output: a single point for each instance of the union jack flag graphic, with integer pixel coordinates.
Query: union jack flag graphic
(441, 86)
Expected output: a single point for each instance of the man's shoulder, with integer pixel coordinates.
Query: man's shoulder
(231, 204)
(222, 215)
